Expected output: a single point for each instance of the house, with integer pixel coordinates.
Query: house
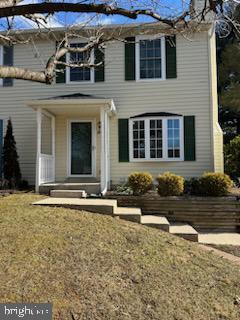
(152, 106)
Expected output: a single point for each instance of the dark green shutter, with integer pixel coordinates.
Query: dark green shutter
(1, 148)
(130, 63)
(61, 76)
(171, 57)
(189, 138)
(8, 61)
(99, 71)
(123, 140)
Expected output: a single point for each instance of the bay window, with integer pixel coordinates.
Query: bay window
(156, 139)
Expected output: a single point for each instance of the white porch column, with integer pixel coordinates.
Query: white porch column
(53, 144)
(39, 138)
(104, 150)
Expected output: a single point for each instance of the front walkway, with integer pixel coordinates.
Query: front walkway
(227, 238)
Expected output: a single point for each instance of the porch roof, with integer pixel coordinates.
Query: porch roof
(57, 104)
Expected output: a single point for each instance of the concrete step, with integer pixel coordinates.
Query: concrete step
(183, 230)
(155, 222)
(130, 214)
(91, 187)
(68, 193)
(93, 205)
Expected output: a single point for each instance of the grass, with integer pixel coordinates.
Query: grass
(95, 267)
(235, 250)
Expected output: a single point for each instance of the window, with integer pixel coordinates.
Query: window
(75, 74)
(139, 139)
(150, 58)
(156, 139)
(173, 138)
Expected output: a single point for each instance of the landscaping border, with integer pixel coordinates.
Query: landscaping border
(203, 213)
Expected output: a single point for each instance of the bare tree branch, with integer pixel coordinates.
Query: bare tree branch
(8, 3)
(51, 8)
(36, 12)
(23, 74)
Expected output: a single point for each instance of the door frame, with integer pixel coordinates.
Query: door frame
(69, 151)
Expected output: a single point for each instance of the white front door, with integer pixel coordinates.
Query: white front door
(82, 148)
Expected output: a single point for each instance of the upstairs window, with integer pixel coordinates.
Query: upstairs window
(6, 59)
(156, 139)
(150, 58)
(80, 74)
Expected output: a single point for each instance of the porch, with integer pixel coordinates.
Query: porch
(73, 143)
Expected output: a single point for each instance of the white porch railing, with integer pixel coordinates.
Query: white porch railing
(45, 163)
(46, 168)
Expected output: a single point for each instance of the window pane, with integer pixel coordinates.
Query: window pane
(135, 134)
(170, 153)
(150, 59)
(142, 153)
(159, 153)
(135, 124)
(152, 144)
(152, 134)
(177, 153)
(176, 124)
(173, 138)
(153, 154)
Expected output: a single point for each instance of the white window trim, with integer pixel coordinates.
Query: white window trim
(92, 57)
(147, 139)
(1, 62)
(163, 56)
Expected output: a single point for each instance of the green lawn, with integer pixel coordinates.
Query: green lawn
(94, 267)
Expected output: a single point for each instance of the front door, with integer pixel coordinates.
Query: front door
(81, 144)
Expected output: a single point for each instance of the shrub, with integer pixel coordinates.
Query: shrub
(11, 168)
(215, 184)
(140, 182)
(170, 184)
(124, 189)
(232, 158)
